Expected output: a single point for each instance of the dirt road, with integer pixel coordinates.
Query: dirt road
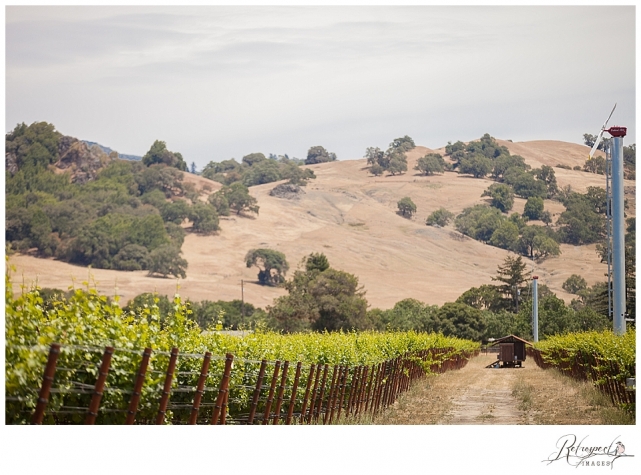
(478, 395)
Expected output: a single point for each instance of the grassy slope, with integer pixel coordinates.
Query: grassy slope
(351, 217)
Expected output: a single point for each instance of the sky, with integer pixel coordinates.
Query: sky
(221, 82)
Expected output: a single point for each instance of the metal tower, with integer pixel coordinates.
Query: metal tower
(615, 247)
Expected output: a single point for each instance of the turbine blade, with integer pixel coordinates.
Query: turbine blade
(598, 139)
(606, 122)
(596, 144)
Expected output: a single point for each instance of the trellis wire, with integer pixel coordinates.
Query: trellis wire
(318, 394)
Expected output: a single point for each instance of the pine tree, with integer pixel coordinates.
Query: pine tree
(512, 274)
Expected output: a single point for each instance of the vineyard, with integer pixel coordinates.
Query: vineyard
(84, 360)
(605, 359)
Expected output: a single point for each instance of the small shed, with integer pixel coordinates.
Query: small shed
(511, 351)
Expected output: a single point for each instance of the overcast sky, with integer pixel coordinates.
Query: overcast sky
(222, 82)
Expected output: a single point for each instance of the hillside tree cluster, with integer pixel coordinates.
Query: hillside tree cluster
(393, 160)
(79, 205)
(257, 169)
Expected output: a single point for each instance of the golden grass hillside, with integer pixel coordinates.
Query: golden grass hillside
(350, 216)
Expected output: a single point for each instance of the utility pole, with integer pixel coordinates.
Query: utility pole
(535, 308)
(242, 304)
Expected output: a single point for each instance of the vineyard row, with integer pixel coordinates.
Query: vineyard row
(606, 360)
(221, 390)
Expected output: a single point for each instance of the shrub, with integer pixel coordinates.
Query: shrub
(440, 217)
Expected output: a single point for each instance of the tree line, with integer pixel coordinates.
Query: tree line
(128, 217)
(257, 169)
(322, 298)
(582, 222)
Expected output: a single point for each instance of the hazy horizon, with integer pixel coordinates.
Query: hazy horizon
(222, 82)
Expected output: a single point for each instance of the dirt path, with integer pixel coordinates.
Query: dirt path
(476, 395)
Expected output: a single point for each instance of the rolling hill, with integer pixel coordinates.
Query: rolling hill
(350, 216)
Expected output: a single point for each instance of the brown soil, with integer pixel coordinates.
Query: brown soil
(350, 216)
(476, 395)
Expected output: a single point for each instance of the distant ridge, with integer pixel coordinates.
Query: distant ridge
(107, 150)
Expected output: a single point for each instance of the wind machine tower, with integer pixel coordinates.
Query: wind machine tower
(615, 223)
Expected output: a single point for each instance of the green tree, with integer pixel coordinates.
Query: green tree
(340, 301)
(410, 314)
(253, 159)
(165, 260)
(397, 162)
(506, 236)
(204, 218)
(502, 196)
(272, 265)
(524, 183)
(499, 324)
(174, 211)
(485, 297)
(296, 174)
(430, 164)
(583, 221)
(406, 207)
(512, 276)
(376, 170)
(266, 171)
(237, 199)
(318, 154)
(462, 321)
(158, 154)
(32, 147)
(176, 234)
(479, 222)
(533, 207)
(321, 298)
(574, 284)
(236, 314)
(131, 257)
(535, 242)
(316, 262)
(546, 175)
(403, 144)
(476, 165)
(219, 201)
(374, 155)
(503, 163)
(441, 217)
(451, 148)
(160, 177)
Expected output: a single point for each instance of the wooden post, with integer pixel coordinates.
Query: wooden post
(292, 399)
(259, 385)
(368, 395)
(319, 407)
(223, 392)
(361, 392)
(100, 386)
(353, 388)
(193, 418)
(140, 380)
(343, 386)
(270, 397)
(164, 399)
(330, 396)
(281, 391)
(307, 388)
(47, 382)
(314, 392)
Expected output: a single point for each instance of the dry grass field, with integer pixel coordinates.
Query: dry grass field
(351, 217)
(476, 395)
